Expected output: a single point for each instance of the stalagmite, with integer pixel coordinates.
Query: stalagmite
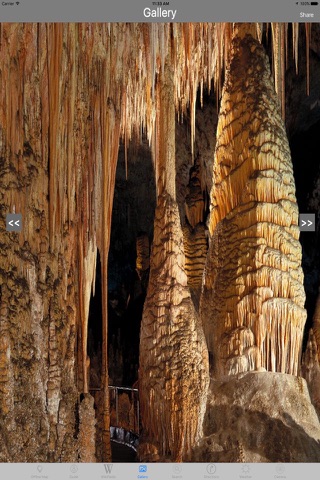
(173, 371)
(311, 359)
(195, 200)
(194, 232)
(253, 296)
(195, 248)
(173, 375)
(310, 369)
(87, 431)
(143, 259)
(316, 323)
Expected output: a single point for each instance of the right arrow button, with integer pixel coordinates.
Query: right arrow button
(307, 222)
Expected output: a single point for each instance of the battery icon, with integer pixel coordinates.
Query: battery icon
(314, 3)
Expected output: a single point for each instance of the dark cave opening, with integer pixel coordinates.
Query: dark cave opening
(131, 232)
(94, 347)
(305, 159)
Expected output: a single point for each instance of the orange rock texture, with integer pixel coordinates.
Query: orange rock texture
(59, 148)
(253, 298)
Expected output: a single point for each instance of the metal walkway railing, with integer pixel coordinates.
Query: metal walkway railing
(124, 408)
(124, 415)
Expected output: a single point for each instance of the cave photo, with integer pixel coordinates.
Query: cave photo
(159, 242)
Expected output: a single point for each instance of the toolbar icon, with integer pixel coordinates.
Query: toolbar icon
(211, 468)
(108, 467)
(177, 469)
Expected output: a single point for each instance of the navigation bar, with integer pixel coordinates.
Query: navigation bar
(159, 11)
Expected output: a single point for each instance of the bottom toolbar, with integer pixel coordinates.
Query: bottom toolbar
(160, 471)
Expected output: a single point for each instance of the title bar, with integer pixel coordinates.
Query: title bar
(159, 11)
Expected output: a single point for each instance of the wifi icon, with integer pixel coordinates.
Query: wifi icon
(17, 3)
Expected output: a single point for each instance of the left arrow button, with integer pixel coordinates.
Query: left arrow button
(14, 222)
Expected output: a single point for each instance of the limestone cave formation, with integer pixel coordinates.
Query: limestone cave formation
(160, 289)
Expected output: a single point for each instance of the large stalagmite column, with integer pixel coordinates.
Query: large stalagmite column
(173, 375)
(253, 298)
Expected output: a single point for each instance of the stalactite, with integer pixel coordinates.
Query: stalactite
(279, 59)
(308, 36)
(111, 135)
(253, 296)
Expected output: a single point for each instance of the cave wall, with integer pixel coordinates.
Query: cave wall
(58, 156)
